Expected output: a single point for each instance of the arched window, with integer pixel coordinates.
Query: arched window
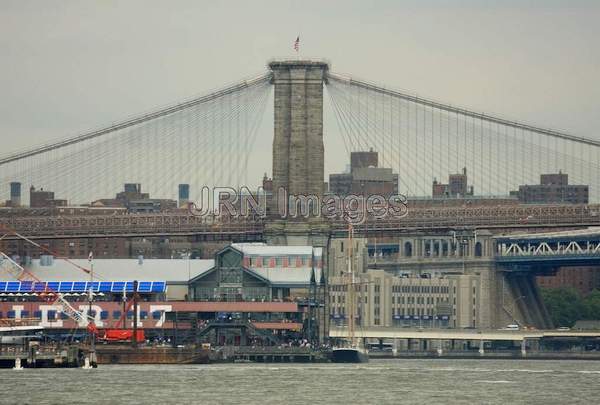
(407, 249)
(478, 249)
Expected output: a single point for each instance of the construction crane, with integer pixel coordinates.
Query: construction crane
(20, 273)
(117, 334)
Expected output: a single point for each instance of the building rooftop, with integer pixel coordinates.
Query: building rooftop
(287, 277)
(169, 270)
(262, 249)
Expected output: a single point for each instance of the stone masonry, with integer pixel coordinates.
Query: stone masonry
(298, 152)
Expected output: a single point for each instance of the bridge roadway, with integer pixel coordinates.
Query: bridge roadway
(460, 334)
(184, 224)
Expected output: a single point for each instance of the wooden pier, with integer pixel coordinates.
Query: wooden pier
(276, 354)
(45, 356)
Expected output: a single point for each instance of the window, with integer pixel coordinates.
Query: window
(156, 315)
(478, 249)
(116, 314)
(407, 249)
(103, 315)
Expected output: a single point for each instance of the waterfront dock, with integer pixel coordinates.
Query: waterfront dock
(275, 354)
(48, 356)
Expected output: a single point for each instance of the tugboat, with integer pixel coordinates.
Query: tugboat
(352, 353)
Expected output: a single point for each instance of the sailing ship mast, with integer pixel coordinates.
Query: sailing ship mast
(352, 353)
(350, 286)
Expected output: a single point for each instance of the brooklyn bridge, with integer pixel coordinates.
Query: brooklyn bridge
(215, 140)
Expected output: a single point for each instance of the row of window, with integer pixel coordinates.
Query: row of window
(445, 249)
(417, 300)
(290, 261)
(103, 314)
(420, 289)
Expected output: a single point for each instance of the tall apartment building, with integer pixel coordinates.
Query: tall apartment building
(553, 188)
(365, 177)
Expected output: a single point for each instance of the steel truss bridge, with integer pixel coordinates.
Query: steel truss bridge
(549, 250)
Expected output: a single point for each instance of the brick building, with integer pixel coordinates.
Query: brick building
(365, 177)
(42, 199)
(457, 186)
(583, 279)
(553, 188)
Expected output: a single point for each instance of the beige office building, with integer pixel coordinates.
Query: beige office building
(383, 299)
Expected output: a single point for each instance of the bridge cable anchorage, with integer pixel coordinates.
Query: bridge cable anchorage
(465, 112)
(265, 78)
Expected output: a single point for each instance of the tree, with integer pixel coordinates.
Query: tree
(565, 305)
(591, 305)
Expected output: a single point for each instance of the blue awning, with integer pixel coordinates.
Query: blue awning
(81, 286)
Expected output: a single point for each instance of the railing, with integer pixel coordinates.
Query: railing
(418, 218)
(573, 248)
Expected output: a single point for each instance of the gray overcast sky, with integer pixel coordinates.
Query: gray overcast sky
(68, 66)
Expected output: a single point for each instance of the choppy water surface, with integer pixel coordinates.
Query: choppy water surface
(378, 382)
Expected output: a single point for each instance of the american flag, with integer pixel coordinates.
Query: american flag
(297, 44)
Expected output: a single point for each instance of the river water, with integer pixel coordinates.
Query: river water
(378, 382)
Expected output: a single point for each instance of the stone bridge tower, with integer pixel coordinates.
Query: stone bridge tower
(298, 152)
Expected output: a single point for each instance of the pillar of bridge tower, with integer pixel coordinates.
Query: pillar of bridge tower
(298, 154)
